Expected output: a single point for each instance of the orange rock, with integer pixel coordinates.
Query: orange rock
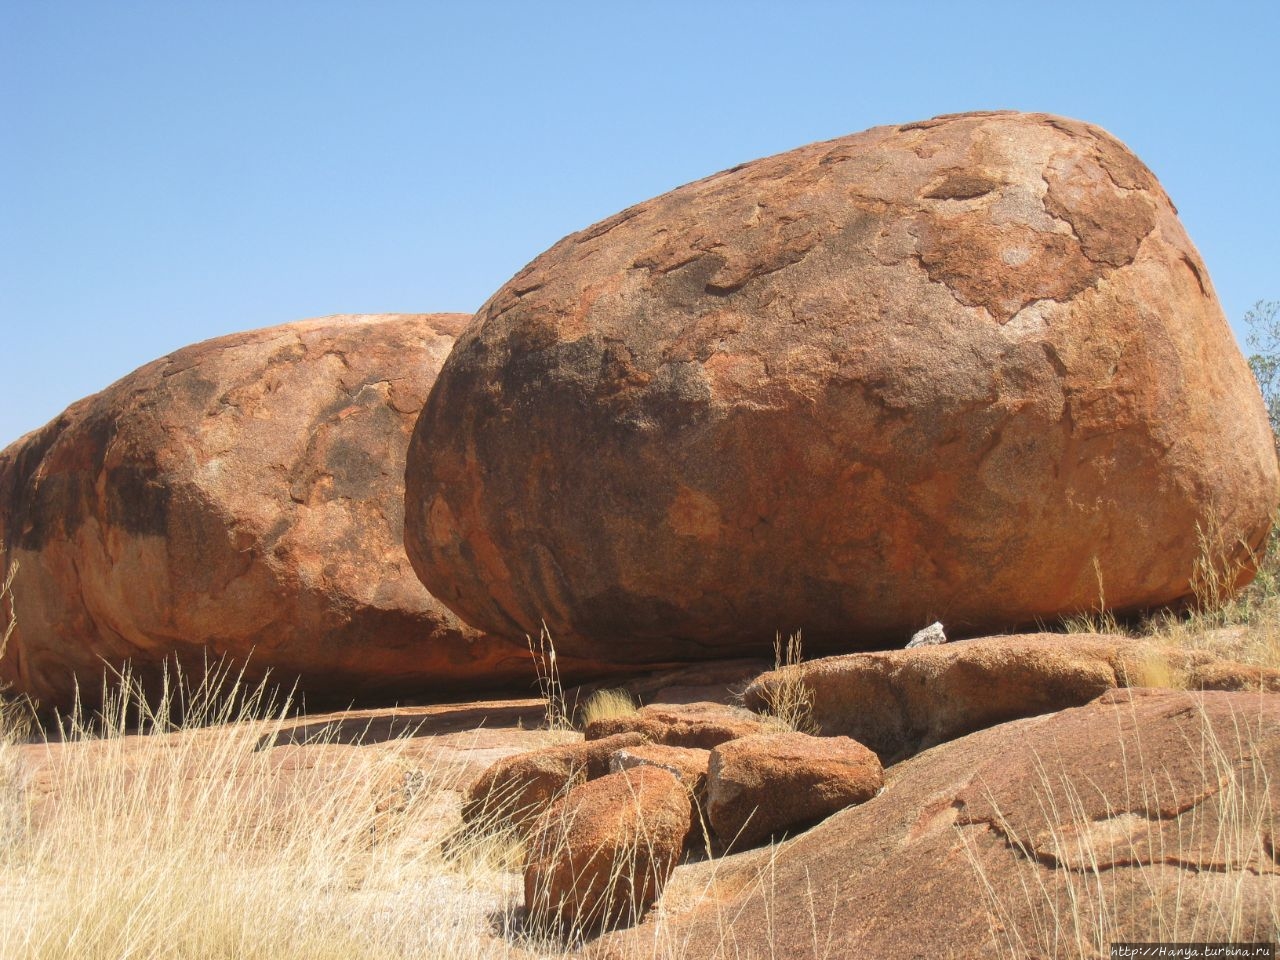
(767, 784)
(1133, 818)
(689, 764)
(1228, 675)
(946, 370)
(700, 724)
(602, 854)
(518, 788)
(899, 702)
(239, 497)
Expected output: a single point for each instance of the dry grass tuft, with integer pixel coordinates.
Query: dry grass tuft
(606, 705)
(1242, 626)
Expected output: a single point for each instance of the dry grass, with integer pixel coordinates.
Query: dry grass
(219, 836)
(1097, 619)
(606, 705)
(1078, 908)
(559, 714)
(1241, 625)
(193, 843)
(789, 701)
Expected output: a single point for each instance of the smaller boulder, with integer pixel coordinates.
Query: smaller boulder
(768, 784)
(703, 725)
(517, 789)
(689, 764)
(601, 855)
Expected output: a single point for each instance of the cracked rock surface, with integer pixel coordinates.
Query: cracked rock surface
(240, 496)
(1144, 812)
(958, 370)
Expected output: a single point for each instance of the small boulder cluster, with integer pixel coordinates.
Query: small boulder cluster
(608, 819)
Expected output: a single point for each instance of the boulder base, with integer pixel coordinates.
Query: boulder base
(899, 702)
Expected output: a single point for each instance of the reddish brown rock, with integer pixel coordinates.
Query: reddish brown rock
(764, 785)
(602, 855)
(689, 764)
(1144, 816)
(240, 496)
(702, 724)
(519, 788)
(1228, 675)
(947, 370)
(899, 702)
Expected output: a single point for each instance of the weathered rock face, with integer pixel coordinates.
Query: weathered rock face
(1141, 817)
(766, 784)
(241, 496)
(899, 702)
(923, 372)
(602, 854)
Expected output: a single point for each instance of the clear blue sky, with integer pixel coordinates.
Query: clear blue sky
(177, 170)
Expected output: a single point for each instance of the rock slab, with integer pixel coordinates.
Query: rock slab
(961, 369)
(899, 702)
(701, 724)
(1140, 817)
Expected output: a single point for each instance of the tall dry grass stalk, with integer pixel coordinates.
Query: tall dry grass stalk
(559, 715)
(15, 713)
(1097, 619)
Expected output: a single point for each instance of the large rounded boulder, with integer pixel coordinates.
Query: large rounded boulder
(241, 498)
(970, 369)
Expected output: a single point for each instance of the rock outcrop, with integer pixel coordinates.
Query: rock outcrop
(899, 702)
(1144, 816)
(701, 724)
(602, 854)
(241, 497)
(764, 785)
(962, 369)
